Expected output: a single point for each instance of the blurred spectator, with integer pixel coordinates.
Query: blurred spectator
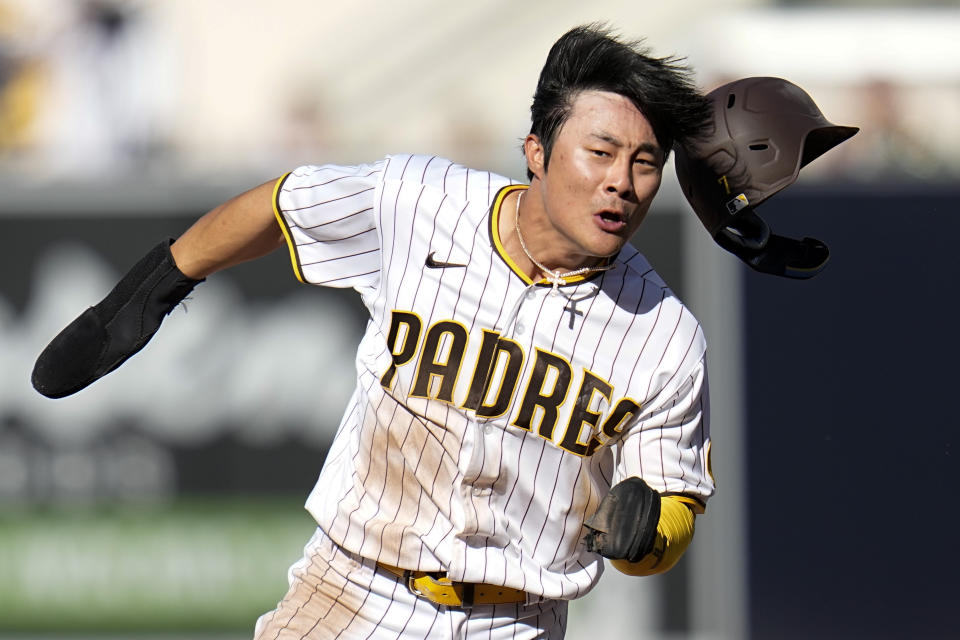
(887, 147)
(20, 82)
(106, 101)
(305, 133)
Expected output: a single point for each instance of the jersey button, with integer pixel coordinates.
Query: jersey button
(488, 428)
(521, 328)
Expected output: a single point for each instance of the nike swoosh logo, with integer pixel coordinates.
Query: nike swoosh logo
(436, 264)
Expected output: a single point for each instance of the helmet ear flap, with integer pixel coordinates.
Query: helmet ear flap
(789, 257)
(744, 232)
(749, 238)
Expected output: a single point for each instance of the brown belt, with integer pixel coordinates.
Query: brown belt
(439, 589)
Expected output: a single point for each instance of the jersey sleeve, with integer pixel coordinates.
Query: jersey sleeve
(327, 216)
(669, 445)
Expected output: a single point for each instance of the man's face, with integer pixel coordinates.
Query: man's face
(605, 169)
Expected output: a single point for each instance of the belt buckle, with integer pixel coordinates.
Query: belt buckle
(412, 584)
(445, 593)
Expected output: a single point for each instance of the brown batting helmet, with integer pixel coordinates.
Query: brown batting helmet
(764, 131)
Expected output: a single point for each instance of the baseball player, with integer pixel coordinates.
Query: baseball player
(531, 397)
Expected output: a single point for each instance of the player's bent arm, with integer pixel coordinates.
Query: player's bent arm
(105, 335)
(240, 229)
(674, 534)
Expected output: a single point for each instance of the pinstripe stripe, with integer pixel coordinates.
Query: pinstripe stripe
(327, 202)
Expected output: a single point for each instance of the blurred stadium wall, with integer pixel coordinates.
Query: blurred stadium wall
(166, 499)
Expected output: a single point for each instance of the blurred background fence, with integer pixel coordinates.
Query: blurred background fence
(166, 500)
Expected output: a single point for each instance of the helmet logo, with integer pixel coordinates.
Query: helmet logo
(737, 203)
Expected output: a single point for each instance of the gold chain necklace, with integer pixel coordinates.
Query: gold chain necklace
(555, 277)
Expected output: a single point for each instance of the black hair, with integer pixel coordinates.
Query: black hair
(590, 57)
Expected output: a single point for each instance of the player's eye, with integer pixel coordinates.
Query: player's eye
(646, 161)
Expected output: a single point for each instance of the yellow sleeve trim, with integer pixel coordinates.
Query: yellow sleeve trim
(291, 245)
(674, 533)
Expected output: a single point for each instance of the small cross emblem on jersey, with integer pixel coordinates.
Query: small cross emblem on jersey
(574, 312)
(571, 307)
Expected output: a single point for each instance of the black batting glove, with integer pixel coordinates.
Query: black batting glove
(625, 524)
(105, 335)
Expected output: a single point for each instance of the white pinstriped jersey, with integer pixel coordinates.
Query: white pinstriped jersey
(491, 414)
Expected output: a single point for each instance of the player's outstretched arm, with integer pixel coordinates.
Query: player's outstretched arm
(104, 336)
(241, 229)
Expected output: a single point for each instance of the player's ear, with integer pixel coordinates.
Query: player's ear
(533, 150)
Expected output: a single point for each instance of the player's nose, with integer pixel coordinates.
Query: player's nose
(619, 179)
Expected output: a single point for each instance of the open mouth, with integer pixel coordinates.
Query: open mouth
(610, 221)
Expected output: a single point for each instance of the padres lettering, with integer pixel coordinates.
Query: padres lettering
(496, 378)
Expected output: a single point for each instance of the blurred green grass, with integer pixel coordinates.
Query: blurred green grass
(193, 565)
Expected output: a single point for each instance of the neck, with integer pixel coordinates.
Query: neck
(556, 273)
